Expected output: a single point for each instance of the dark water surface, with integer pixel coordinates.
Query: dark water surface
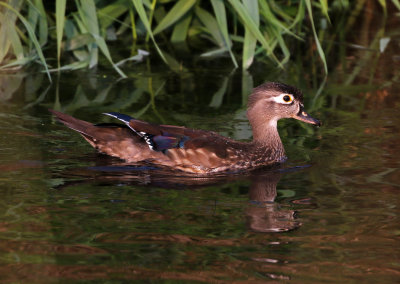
(330, 214)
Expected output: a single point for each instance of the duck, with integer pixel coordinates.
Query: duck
(196, 151)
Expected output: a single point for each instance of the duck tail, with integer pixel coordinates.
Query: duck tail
(71, 122)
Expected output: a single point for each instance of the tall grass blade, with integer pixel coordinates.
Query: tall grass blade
(10, 31)
(7, 22)
(43, 25)
(80, 25)
(219, 11)
(15, 41)
(110, 13)
(125, 25)
(299, 16)
(211, 25)
(60, 20)
(4, 42)
(176, 13)
(250, 41)
(143, 17)
(252, 26)
(133, 24)
(75, 28)
(32, 36)
(396, 3)
(324, 8)
(319, 48)
(283, 46)
(150, 17)
(280, 11)
(89, 17)
(383, 4)
(104, 49)
(271, 19)
(32, 17)
(180, 31)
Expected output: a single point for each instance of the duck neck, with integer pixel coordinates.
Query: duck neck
(266, 135)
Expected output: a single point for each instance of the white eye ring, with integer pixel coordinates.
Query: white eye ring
(284, 99)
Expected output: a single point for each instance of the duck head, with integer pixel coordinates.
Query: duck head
(272, 101)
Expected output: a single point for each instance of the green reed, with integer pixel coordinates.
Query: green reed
(80, 29)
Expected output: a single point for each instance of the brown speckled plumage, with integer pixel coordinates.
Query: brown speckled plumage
(199, 151)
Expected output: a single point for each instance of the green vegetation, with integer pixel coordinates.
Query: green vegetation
(79, 30)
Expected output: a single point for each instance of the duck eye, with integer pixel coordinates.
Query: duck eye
(286, 98)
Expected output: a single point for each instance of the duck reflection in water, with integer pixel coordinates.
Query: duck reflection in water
(263, 214)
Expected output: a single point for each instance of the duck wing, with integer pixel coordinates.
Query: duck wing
(164, 137)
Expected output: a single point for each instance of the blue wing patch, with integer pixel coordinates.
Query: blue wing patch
(156, 142)
(163, 143)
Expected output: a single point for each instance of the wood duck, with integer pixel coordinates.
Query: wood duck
(198, 151)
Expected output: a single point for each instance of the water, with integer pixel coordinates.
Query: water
(330, 214)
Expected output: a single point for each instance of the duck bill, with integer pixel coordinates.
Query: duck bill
(305, 117)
